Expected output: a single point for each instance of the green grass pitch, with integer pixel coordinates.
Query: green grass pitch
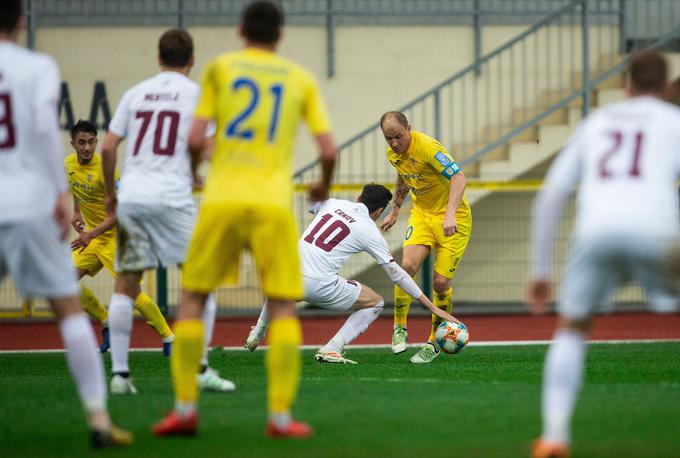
(483, 402)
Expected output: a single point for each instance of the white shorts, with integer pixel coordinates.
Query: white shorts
(38, 261)
(599, 265)
(334, 294)
(148, 234)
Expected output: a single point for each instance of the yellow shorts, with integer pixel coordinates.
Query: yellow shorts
(223, 231)
(101, 252)
(428, 230)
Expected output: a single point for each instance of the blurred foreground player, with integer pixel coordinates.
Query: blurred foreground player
(154, 205)
(34, 223)
(257, 99)
(627, 160)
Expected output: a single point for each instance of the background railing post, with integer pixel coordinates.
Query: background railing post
(162, 289)
(622, 26)
(181, 14)
(330, 39)
(585, 24)
(477, 26)
(31, 17)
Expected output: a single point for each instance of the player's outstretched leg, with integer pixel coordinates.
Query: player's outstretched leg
(208, 378)
(154, 318)
(356, 324)
(283, 371)
(184, 359)
(85, 364)
(562, 378)
(120, 325)
(259, 331)
(402, 304)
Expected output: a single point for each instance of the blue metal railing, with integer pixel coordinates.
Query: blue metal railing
(552, 64)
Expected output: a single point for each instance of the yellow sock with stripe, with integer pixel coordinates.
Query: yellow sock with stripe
(283, 364)
(402, 304)
(444, 302)
(91, 305)
(185, 358)
(153, 316)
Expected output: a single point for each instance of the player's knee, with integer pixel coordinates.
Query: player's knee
(441, 284)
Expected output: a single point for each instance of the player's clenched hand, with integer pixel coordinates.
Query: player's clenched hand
(62, 215)
(450, 224)
(318, 191)
(389, 221)
(538, 293)
(77, 222)
(82, 241)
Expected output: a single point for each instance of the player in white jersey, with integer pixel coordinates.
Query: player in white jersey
(155, 208)
(340, 229)
(35, 213)
(627, 159)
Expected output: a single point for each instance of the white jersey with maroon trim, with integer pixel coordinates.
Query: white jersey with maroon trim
(627, 157)
(31, 153)
(156, 117)
(339, 230)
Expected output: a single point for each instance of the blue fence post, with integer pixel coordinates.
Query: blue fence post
(31, 17)
(162, 289)
(181, 14)
(622, 26)
(330, 39)
(585, 24)
(477, 26)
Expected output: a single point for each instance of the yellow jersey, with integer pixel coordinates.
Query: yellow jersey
(426, 168)
(256, 99)
(87, 186)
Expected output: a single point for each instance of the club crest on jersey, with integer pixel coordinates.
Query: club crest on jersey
(442, 158)
(89, 178)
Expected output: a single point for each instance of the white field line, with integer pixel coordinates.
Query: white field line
(358, 347)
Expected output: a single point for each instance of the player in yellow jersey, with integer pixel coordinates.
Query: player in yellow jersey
(95, 246)
(440, 220)
(256, 98)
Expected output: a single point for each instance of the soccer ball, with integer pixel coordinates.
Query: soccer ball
(452, 337)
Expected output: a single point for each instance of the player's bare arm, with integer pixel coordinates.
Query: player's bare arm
(400, 193)
(62, 213)
(77, 219)
(328, 153)
(539, 292)
(197, 141)
(111, 142)
(456, 191)
(423, 299)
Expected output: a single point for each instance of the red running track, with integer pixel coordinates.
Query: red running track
(317, 330)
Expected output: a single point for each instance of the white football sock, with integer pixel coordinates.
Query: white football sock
(355, 325)
(84, 361)
(184, 409)
(262, 321)
(562, 378)
(120, 329)
(209, 313)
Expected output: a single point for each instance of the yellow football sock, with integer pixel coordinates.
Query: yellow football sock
(283, 364)
(91, 305)
(185, 358)
(402, 304)
(444, 302)
(153, 316)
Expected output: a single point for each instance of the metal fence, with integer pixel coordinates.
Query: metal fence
(632, 15)
(475, 113)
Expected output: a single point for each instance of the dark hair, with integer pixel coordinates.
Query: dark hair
(375, 196)
(262, 22)
(175, 48)
(10, 12)
(397, 115)
(83, 125)
(648, 72)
